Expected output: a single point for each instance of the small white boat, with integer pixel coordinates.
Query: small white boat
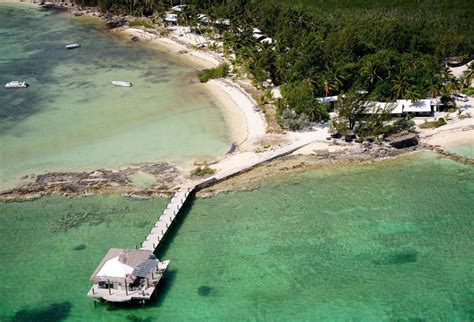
(16, 84)
(122, 83)
(72, 46)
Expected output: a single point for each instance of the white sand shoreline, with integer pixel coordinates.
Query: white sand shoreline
(245, 121)
(456, 131)
(242, 116)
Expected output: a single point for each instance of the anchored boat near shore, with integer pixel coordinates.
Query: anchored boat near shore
(122, 83)
(72, 46)
(16, 84)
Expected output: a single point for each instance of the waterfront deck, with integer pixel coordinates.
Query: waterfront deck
(127, 295)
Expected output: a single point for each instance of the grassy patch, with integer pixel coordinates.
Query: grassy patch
(433, 124)
(218, 72)
(141, 23)
(202, 171)
(469, 91)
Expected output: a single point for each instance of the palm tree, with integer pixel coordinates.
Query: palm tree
(434, 90)
(469, 73)
(332, 79)
(446, 74)
(327, 86)
(401, 85)
(434, 87)
(453, 85)
(369, 71)
(413, 93)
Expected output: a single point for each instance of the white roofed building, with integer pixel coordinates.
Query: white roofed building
(126, 275)
(422, 107)
(327, 99)
(171, 18)
(418, 108)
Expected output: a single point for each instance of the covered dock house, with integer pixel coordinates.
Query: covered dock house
(127, 275)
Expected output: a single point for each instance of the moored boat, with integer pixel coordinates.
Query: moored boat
(122, 83)
(16, 84)
(72, 46)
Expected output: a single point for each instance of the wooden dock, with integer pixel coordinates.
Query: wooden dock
(120, 292)
(165, 220)
(178, 200)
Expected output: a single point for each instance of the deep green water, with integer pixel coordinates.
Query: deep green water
(389, 241)
(72, 117)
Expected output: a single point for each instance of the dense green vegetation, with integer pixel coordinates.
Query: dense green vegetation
(391, 48)
(218, 72)
(351, 118)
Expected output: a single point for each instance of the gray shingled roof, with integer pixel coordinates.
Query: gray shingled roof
(146, 268)
(133, 258)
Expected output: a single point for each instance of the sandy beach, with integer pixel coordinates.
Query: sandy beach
(200, 58)
(243, 119)
(456, 131)
(247, 126)
(461, 131)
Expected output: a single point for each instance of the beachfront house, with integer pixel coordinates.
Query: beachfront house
(126, 275)
(178, 8)
(327, 99)
(422, 107)
(171, 18)
(418, 108)
(202, 18)
(261, 37)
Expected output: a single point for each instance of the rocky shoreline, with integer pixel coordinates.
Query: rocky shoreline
(168, 177)
(102, 181)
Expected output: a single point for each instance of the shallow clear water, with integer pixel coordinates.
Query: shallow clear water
(72, 117)
(389, 241)
(464, 149)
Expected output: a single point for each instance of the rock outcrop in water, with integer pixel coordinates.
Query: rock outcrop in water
(99, 181)
(403, 140)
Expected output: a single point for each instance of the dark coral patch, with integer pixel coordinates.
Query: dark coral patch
(398, 257)
(204, 290)
(52, 313)
(80, 247)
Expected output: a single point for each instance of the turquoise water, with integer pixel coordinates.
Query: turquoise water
(388, 241)
(464, 149)
(72, 117)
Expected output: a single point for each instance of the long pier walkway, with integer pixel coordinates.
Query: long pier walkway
(128, 275)
(176, 203)
(166, 219)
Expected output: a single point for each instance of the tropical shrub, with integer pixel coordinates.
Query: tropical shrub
(433, 124)
(202, 171)
(218, 72)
